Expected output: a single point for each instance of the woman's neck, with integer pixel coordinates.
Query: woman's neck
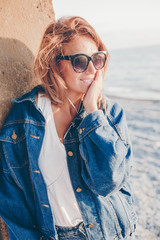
(63, 116)
(72, 103)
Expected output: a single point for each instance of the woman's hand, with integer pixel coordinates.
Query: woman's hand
(102, 103)
(93, 97)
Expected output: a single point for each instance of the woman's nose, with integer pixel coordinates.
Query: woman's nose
(91, 68)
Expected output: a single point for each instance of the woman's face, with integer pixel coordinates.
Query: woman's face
(78, 83)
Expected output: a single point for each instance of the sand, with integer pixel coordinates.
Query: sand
(144, 127)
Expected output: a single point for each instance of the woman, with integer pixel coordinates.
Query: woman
(65, 163)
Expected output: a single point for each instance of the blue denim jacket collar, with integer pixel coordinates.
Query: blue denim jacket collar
(30, 96)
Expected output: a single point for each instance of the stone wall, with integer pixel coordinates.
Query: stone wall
(22, 23)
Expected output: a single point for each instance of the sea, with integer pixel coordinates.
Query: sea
(134, 73)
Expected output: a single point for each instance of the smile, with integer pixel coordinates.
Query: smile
(88, 81)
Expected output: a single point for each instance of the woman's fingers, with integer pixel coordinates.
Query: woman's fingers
(102, 103)
(99, 101)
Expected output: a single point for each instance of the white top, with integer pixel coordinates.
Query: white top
(53, 165)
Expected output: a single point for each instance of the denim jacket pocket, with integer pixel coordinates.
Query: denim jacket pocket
(13, 141)
(128, 205)
(124, 213)
(13, 132)
(129, 208)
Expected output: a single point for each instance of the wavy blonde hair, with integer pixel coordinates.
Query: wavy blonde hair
(47, 65)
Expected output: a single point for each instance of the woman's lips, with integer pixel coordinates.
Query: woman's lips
(87, 81)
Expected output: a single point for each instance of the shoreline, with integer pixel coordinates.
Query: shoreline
(133, 99)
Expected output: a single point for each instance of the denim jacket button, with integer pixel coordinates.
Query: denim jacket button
(14, 135)
(80, 131)
(90, 225)
(70, 153)
(78, 189)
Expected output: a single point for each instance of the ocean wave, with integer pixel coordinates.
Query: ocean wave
(133, 94)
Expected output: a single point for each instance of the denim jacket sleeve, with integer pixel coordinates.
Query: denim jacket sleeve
(105, 149)
(13, 206)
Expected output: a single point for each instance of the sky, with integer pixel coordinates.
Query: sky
(120, 23)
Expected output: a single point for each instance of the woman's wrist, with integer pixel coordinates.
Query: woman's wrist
(91, 109)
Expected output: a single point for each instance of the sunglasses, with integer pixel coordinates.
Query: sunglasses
(81, 61)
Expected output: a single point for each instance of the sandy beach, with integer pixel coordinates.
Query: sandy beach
(144, 127)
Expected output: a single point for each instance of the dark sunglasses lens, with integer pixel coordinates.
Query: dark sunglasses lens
(80, 63)
(99, 60)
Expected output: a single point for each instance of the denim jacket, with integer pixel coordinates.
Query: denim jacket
(98, 154)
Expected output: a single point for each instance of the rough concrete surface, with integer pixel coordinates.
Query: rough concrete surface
(22, 23)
